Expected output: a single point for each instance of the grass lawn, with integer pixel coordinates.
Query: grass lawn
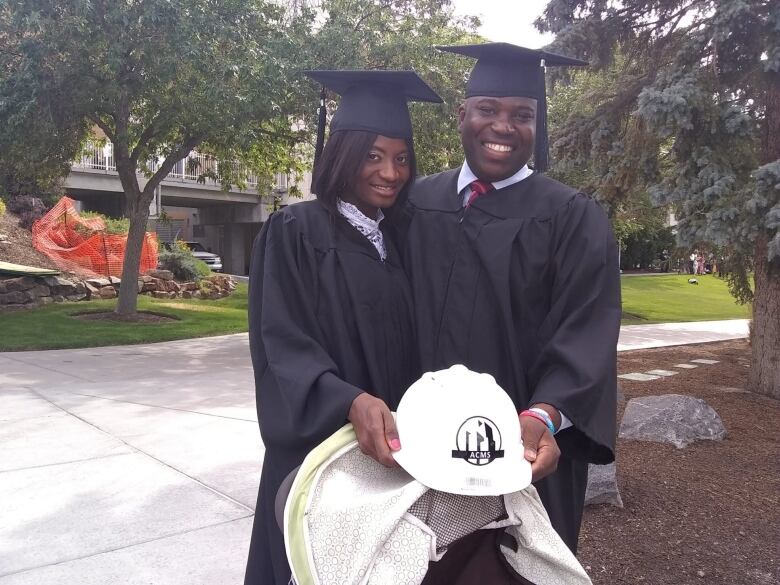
(669, 298)
(53, 327)
(646, 299)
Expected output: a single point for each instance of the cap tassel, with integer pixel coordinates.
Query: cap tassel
(321, 120)
(541, 154)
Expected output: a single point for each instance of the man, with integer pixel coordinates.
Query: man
(516, 275)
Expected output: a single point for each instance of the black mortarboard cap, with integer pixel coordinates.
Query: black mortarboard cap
(504, 70)
(373, 101)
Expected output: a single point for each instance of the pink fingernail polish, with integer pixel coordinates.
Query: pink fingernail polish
(395, 444)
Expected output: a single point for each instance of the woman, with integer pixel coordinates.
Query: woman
(330, 314)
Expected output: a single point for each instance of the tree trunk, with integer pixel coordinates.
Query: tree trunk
(764, 376)
(138, 212)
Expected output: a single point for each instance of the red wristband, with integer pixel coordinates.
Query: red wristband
(538, 417)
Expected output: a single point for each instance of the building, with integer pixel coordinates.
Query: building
(225, 222)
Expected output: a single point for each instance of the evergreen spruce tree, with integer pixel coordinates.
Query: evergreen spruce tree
(692, 113)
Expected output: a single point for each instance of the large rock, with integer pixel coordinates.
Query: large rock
(55, 281)
(107, 292)
(39, 290)
(98, 282)
(671, 418)
(16, 297)
(92, 292)
(602, 486)
(161, 274)
(20, 283)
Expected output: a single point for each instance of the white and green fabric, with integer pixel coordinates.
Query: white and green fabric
(350, 521)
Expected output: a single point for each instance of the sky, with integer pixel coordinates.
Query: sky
(509, 21)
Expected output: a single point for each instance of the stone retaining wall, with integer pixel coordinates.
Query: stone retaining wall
(32, 291)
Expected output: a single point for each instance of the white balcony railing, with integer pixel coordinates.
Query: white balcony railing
(101, 158)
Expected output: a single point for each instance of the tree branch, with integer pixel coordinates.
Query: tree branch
(184, 149)
(370, 13)
(148, 133)
(103, 126)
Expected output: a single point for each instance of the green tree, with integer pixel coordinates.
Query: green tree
(159, 78)
(401, 34)
(691, 112)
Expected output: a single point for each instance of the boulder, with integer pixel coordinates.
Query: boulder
(54, 281)
(186, 294)
(602, 486)
(57, 299)
(671, 418)
(161, 274)
(45, 300)
(107, 292)
(98, 282)
(160, 294)
(19, 283)
(39, 290)
(92, 292)
(16, 297)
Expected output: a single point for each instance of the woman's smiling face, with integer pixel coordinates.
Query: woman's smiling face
(385, 171)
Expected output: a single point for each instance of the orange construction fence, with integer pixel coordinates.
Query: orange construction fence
(80, 245)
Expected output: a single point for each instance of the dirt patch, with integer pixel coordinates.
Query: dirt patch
(139, 317)
(18, 248)
(707, 514)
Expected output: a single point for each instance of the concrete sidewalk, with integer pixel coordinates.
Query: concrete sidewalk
(140, 464)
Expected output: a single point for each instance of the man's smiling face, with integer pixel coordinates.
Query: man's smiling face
(498, 134)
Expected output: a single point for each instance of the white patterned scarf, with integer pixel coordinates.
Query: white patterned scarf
(365, 225)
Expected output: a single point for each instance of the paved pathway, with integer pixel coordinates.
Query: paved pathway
(140, 464)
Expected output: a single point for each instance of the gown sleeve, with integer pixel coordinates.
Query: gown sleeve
(301, 399)
(576, 369)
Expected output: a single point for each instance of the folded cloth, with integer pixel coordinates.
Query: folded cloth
(349, 520)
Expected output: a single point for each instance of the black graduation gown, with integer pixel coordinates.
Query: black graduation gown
(327, 320)
(523, 285)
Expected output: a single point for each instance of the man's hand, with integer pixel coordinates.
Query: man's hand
(375, 428)
(541, 449)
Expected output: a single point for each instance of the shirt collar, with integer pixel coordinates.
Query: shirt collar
(467, 176)
(357, 218)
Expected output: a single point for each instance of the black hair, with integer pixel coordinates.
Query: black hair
(340, 163)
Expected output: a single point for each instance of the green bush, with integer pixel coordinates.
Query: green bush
(114, 225)
(2, 208)
(179, 260)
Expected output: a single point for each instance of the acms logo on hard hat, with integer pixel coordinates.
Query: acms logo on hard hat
(478, 441)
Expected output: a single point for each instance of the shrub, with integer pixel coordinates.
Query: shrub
(27, 208)
(114, 225)
(179, 260)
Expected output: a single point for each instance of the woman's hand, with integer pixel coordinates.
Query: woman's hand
(375, 428)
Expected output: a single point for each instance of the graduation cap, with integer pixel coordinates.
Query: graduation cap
(504, 70)
(371, 101)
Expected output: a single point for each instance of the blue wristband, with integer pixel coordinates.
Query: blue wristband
(547, 420)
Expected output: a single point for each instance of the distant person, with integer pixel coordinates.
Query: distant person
(331, 326)
(692, 263)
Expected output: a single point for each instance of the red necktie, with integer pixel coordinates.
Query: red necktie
(478, 188)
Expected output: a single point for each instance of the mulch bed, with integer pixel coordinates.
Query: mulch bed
(706, 514)
(19, 248)
(139, 317)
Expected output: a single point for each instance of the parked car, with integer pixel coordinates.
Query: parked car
(201, 253)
